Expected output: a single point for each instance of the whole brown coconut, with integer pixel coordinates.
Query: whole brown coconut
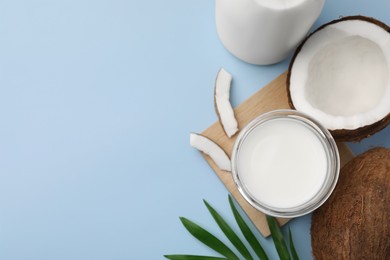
(355, 222)
(340, 134)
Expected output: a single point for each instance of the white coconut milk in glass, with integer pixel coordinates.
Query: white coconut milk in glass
(285, 164)
(264, 31)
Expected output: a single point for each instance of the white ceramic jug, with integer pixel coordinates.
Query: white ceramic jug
(264, 31)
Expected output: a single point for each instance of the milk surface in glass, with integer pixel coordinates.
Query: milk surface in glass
(282, 163)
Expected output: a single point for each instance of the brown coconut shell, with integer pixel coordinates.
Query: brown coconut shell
(355, 221)
(345, 135)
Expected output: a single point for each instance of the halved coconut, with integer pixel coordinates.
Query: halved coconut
(223, 106)
(216, 153)
(340, 75)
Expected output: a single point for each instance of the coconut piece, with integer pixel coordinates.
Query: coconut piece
(216, 153)
(354, 222)
(223, 106)
(340, 75)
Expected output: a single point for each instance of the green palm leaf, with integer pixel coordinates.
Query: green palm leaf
(249, 236)
(208, 239)
(228, 231)
(292, 247)
(277, 237)
(214, 243)
(192, 257)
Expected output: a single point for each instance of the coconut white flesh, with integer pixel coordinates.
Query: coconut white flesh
(213, 150)
(341, 76)
(222, 102)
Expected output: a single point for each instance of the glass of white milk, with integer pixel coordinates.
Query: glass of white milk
(264, 31)
(285, 163)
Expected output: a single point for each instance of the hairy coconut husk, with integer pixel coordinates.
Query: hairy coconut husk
(344, 135)
(355, 222)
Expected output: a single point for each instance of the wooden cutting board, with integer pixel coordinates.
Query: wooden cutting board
(271, 97)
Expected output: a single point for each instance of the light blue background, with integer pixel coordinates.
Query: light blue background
(97, 99)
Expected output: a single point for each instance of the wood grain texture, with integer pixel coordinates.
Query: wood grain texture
(271, 97)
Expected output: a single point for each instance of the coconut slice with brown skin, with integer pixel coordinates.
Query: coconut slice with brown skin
(340, 75)
(355, 221)
(223, 106)
(216, 153)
